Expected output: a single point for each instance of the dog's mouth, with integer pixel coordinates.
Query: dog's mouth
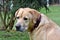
(20, 28)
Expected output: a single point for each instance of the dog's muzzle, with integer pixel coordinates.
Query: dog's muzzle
(19, 27)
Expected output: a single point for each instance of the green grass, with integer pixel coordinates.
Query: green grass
(54, 14)
(13, 35)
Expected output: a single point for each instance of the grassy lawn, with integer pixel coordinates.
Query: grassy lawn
(13, 35)
(54, 14)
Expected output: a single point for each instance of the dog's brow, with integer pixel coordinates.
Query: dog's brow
(22, 13)
(17, 12)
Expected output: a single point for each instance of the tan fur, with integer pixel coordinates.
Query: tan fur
(46, 30)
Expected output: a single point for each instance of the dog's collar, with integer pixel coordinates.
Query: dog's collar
(37, 22)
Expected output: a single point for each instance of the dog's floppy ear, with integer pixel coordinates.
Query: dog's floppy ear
(16, 13)
(35, 14)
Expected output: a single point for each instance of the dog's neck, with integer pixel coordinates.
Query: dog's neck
(37, 23)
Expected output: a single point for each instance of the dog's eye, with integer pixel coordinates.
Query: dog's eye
(17, 17)
(25, 18)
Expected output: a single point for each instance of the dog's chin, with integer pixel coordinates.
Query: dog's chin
(21, 30)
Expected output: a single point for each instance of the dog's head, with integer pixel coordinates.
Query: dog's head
(26, 18)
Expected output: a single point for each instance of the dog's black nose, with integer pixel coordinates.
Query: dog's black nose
(18, 27)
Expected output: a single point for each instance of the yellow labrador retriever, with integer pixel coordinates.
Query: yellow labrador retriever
(39, 26)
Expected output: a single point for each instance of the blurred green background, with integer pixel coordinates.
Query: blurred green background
(54, 14)
(7, 11)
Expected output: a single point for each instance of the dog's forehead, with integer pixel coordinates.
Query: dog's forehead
(27, 14)
(24, 13)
